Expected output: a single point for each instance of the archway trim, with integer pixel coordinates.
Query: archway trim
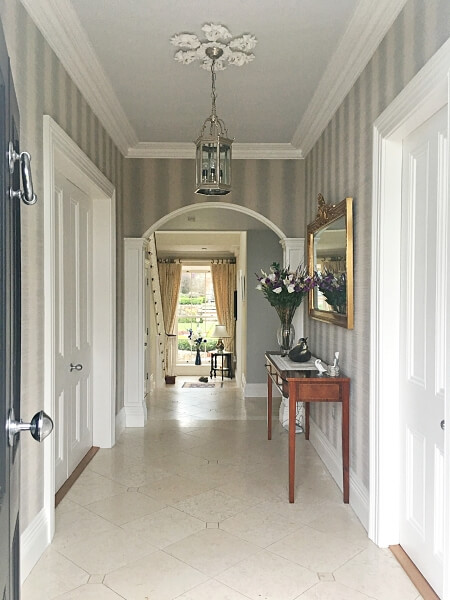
(198, 206)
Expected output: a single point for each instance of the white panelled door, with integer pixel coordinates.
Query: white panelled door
(73, 327)
(423, 272)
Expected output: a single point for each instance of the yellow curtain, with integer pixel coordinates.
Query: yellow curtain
(169, 283)
(224, 283)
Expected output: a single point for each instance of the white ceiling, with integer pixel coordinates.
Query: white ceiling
(197, 246)
(206, 218)
(308, 55)
(194, 234)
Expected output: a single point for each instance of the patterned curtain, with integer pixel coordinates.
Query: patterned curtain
(224, 283)
(169, 282)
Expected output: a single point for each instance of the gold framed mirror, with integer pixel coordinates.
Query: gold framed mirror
(330, 256)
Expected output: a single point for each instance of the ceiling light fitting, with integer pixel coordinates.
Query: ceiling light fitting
(236, 51)
(213, 146)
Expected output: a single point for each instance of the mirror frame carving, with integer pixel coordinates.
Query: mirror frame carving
(326, 214)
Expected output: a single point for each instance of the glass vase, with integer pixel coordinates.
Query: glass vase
(285, 337)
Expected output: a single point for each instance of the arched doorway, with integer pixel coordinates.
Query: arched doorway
(204, 221)
(214, 206)
(224, 217)
(205, 217)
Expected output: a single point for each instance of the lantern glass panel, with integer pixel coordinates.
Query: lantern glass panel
(198, 161)
(225, 160)
(208, 162)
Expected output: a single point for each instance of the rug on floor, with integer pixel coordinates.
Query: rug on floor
(187, 384)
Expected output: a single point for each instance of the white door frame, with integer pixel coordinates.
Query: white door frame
(428, 91)
(62, 155)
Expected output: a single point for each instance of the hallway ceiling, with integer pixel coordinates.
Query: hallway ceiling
(309, 54)
(198, 246)
(207, 218)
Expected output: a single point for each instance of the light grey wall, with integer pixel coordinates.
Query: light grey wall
(43, 87)
(340, 165)
(272, 188)
(263, 248)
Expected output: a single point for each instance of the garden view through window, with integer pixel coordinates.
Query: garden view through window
(197, 315)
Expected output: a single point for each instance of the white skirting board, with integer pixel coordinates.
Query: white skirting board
(136, 416)
(359, 495)
(33, 542)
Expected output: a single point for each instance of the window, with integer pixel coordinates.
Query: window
(196, 313)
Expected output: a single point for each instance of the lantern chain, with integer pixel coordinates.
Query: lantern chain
(213, 91)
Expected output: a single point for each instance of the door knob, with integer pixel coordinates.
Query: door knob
(40, 426)
(443, 424)
(75, 367)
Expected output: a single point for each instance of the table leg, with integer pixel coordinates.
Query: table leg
(345, 441)
(292, 428)
(269, 407)
(307, 406)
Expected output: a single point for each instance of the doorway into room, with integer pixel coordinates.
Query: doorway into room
(211, 262)
(196, 315)
(409, 467)
(63, 159)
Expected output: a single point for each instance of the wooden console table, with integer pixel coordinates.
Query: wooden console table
(300, 383)
(225, 365)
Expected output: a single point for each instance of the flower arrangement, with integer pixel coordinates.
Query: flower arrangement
(198, 341)
(285, 289)
(334, 288)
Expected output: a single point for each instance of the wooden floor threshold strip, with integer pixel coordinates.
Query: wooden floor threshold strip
(413, 573)
(78, 470)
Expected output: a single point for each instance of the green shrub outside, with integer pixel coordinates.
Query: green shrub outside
(189, 320)
(188, 300)
(185, 345)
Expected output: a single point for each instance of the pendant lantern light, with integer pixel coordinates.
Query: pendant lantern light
(213, 146)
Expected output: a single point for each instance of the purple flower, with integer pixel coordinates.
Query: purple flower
(285, 289)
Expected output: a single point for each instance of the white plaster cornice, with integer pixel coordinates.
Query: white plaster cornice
(367, 28)
(60, 26)
(240, 151)
(269, 151)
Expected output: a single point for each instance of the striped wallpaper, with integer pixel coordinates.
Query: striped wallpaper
(340, 165)
(273, 188)
(43, 87)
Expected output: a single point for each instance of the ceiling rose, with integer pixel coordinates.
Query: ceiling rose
(236, 50)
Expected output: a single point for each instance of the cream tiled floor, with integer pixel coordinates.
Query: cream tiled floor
(194, 507)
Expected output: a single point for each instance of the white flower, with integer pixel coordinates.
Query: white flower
(291, 288)
(272, 277)
(259, 286)
(277, 290)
